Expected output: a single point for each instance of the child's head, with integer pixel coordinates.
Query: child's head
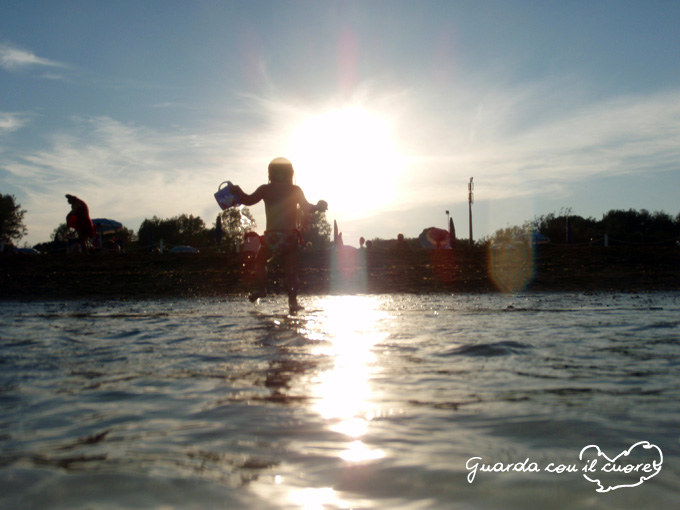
(281, 170)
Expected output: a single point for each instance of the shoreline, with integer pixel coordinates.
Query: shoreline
(549, 268)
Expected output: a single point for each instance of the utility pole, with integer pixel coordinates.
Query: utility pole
(471, 200)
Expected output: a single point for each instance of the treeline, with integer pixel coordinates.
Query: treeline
(563, 227)
(192, 230)
(227, 232)
(619, 226)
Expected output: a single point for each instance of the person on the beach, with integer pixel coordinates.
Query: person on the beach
(79, 220)
(281, 199)
(401, 244)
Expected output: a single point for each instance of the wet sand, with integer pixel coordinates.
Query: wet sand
(464, 270)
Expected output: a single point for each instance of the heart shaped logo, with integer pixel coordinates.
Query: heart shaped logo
(629, 468)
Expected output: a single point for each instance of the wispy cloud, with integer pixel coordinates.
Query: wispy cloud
(536, 140)
(131, 172)
(516, 151)
(54, 76)
(123, 171)
(10, 122)
(14, 59)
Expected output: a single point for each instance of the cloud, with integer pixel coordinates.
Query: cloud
(131, 172)
(53, 76)
(13, 59)
(10, 122)
(541, 140)
(123, 171)
(516, 151)
(623, 135)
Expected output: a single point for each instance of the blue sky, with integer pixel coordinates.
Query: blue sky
(386, 108)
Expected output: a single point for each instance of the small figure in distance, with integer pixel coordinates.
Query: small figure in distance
(401, 243)
(79, 220)
(281, 199)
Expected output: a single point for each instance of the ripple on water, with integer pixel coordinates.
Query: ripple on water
(360, 401)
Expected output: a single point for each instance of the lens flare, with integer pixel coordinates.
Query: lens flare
(511, 265)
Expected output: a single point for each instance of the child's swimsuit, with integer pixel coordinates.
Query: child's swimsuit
(279, 241)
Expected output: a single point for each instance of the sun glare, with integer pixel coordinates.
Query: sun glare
(349, 158)
(344, 392)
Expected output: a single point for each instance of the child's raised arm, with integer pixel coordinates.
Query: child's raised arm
(321, 205)
(244, 197)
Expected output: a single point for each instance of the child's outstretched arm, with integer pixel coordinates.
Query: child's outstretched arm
(244, 197)
(321, 205)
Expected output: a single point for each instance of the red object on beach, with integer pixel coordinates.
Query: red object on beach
(434, 238)
(79, 217)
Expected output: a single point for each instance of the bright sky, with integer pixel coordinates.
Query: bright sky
(386, 108)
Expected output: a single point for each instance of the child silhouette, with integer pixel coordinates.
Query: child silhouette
(281, 199)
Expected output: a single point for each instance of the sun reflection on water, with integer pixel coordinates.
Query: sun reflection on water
(345, 329)
(313, 498)
(343, 394)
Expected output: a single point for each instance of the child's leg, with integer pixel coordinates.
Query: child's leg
(290, 268)
(260, 270)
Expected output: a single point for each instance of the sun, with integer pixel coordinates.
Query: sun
(348, 157)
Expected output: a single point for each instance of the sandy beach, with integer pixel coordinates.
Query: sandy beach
(142, 275)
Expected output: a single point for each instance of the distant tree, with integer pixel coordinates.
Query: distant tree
(627, 226)
(505, 235)
(63, 233)
(555, 225)
(663, 227)
(584, 230)
(315, 229)
(624, 225)
(175, 231)
(149, 233)
(236, 222)
(126, 237)
(191, 230)
(12, 226)
(640, 226)
(552, 225)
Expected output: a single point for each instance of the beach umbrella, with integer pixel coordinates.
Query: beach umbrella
(105, 226)
(452, 233)
(433, 238)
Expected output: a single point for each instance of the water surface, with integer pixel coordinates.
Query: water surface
(358, 402)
